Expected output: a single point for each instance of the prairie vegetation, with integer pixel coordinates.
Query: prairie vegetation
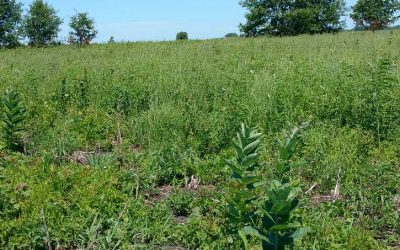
(123, 146)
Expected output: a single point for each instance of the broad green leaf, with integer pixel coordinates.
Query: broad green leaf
(244, 239)
(252, 147)
(294, 192)
(239, 151)
(241, 139)
(260, 183)
(282, 207)
(254, 232)
(249, 159)
(249, 180)
(285, 227)
(255, 136)
(233, 167)
(264, 212)
(283, 153)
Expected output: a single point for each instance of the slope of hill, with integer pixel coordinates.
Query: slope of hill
(125, 142)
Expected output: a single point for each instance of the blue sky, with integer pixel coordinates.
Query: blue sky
(143, 20)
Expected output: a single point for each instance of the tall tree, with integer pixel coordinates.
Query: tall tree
(292, 17)
(375, 14)
(41, 25)
(10, 20)
(83, 30)
(182, 36)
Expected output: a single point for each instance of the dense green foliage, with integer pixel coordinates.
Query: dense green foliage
(41, 24)
(230, 35)
(83, 30)
(182, 36)
(375, 14)
(10, 20)
(111, 40)
(277, 17)
(269, 215)
(13, 121)
(125, 142)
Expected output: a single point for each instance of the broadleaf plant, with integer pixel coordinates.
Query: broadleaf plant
(14, 115)
(280, 224)
(287, 149)
(266, 212)
(244, 178)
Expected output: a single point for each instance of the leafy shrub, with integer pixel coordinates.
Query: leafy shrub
(182, 36)
(268, 215)
(13, 121)
(41, 24)
(83, 30)
(10, 19)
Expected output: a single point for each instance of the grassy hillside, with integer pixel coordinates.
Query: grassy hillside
(115, 132)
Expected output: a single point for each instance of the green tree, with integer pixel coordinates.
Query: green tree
(83, 29)
(111, 40)
(230, 35)
(292, 17)
(41, 25)
(182, 36)
(375, 14)
(10, 20)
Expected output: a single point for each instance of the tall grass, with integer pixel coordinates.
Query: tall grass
(180, 104)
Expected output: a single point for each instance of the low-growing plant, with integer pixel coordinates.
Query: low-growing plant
(101, 160)
(267, 213)
(180, 202)
(280, 224)
(14, 115)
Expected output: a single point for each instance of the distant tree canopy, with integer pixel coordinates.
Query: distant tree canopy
(292, 17)
(41, 25)
(10, 19)
(111, 40)
(375, 14)
(230, 35)
(83, 30)
(182, 36)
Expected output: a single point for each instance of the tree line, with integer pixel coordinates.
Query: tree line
(294, 17)
(40, 25)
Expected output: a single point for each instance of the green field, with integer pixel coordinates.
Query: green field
(177, 107)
